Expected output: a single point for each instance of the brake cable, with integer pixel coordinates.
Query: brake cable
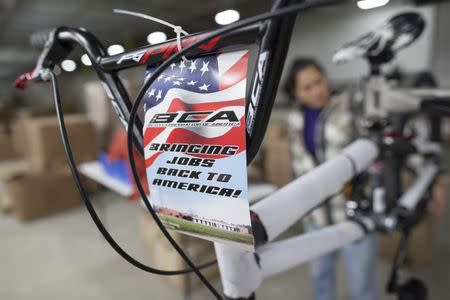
(88, 202)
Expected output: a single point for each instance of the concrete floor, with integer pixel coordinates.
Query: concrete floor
(64, 257)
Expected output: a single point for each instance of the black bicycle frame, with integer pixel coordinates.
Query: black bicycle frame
(272, 37)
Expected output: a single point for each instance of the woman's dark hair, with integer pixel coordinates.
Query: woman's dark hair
(424, 80)
(297, 66)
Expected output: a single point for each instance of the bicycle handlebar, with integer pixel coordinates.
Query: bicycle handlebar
(57, 45)
(272, 36)
(38, 39)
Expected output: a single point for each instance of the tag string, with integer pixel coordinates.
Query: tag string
(177, 29)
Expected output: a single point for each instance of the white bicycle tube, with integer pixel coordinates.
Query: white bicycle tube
(284, 207)
(278, 257)
(411, 198)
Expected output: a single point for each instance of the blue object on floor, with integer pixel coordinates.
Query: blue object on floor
(117, 169)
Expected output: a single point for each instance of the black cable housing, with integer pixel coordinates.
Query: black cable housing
(87, 201)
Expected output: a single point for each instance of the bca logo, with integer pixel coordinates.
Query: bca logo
(196, 118)
(256, 90)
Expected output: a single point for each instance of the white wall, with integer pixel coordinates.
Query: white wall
(320, 32)
(441, 61)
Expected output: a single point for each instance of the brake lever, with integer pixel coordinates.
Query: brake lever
(54, 51)
(21, 82)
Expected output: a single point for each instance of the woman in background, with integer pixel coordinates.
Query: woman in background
(320, 126)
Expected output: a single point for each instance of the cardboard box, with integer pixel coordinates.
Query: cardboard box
(20, 119)
(276, 129)
(165, 257)
(35, 112)
(255, 173)
(169, 259)
(18, 136)
(5, 115)
(34, 196)
(45, 150)
(445, 127)
(8, 170)
(100, 111)
(421, 247)
(277, 162)
(6, 148)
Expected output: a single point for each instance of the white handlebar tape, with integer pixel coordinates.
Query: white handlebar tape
(284, 207)
(239, 271)
(411, 198)
(281, 256)
(242, 272)
(428, 147)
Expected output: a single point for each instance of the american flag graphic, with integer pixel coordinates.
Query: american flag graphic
(209, 83)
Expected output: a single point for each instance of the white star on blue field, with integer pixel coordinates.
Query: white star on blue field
(197, 75)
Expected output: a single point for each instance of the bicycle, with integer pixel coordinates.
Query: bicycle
(242, 272)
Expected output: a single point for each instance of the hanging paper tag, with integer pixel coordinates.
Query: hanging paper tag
(195, 148)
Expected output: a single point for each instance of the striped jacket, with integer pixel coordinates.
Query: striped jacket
(334, 131)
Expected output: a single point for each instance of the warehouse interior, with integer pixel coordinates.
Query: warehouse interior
(51, 248)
